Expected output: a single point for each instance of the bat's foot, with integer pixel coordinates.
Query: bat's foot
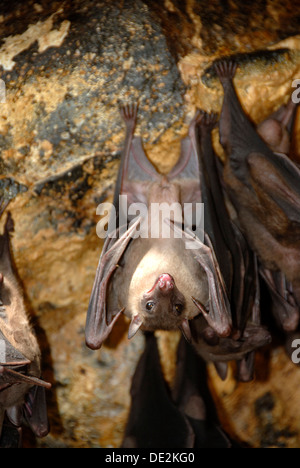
(204, 120)
(208, 121)
(129, 115)
(225, 70)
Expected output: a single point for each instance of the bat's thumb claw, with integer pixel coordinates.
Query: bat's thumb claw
(186, 330)
(136, 323)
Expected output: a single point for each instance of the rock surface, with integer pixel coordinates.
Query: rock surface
(66, 67)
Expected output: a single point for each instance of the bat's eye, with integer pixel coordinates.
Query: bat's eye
(178, 308)
(150, 305)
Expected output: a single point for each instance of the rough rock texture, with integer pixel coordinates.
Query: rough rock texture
(67, 66)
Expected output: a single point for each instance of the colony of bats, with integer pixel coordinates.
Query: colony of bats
(210, 290)
(202, 279)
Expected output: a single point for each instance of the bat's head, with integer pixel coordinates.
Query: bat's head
(162, 287)
(163, 300)
(163, 306)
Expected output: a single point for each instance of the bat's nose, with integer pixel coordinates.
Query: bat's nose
(166, 282)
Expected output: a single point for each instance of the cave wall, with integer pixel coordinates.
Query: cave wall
(67, 66)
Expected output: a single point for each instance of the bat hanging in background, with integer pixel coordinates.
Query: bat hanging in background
(154, 420)
(263, 185)
(22, 392)
(158, 282)
(237, 262)
(183, 417)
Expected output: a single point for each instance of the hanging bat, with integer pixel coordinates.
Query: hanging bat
(192, 397)
(263, 185)
(154, 420)
(160, 417)
(22, 392)
(156, 281)
(241, 275)
(159, 283)
(276, 131)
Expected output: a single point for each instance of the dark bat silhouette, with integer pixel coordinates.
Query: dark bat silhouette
(154, 420)
(157, 282)
(264, 186)
(183, 417)
(22, 392)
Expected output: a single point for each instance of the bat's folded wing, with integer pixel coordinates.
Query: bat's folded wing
(98, 327)
(280, 180)
(218, 314)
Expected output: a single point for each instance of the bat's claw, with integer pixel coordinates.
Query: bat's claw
(208, 121)
(204, 120)
(129, 114)
(225, 69)
(219, 324)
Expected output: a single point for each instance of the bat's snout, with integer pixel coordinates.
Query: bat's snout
(166, 283)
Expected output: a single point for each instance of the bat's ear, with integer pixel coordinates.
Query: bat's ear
(135, 325)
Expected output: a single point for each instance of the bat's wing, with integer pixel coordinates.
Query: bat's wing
(280, 180)
(134, 176)
(217, 313)
(11, 436)
(272, 180)
(98, 325)
(284, 307)
(236, 260)
(136, 172)
(186, 173)
(251, 158)
(9, 355)
(16, 375)
(226, 257)
(154, 420)
(192, 396)
(214, 257)
(35, 411)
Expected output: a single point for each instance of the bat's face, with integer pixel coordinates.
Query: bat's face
(161, 291)
(163, 305)
(161, 285)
